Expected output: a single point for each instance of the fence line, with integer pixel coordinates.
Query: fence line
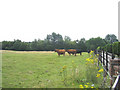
(107, 61)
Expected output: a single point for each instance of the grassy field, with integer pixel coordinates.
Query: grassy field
(34, 69)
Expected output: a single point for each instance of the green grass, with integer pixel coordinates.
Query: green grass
(40, 70)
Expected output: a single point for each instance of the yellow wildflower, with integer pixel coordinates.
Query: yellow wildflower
(86, 86)
(101, 70)
(91, 51)
(81, 86)
(98, 75)
(64, 66)
(88, 59)
(92, 87)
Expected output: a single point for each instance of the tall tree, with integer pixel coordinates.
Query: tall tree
(67, 39)
(56, 40)
(110, 38)
(17, 44)
(82, 45)
(93, 43)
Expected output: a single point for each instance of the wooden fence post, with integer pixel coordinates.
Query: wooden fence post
(104, 73)
(106, 61)
(100, 56)
(103, 59)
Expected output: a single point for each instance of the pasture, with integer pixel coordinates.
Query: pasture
(41, 69)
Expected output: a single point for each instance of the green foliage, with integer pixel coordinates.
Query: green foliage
(113, 48)
(98, 48)
(54, 40)
(82, 45)
(93, 43)
(116, 48)
(110, 38)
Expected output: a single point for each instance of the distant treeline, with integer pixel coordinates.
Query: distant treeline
(54, 41)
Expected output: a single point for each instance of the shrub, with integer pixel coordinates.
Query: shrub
(116, 48)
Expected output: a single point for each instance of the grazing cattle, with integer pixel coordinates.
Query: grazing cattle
(79, 51)
(72, 51)
(60, 51)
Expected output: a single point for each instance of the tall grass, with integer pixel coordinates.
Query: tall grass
(94, 73)
(91, 76)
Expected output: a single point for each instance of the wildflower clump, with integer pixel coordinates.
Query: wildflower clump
(101, 70)
(93, 73)
(63, 73)
(98, 75)
(81, 86)
(91, 65)
(64, 67)
(86, 86)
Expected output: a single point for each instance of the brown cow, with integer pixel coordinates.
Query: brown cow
(60, 51)
(72, 51)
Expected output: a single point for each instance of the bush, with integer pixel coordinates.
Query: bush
(116, 48)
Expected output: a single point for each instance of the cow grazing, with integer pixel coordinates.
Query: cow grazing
(79, 51)
(60, 51)
(72, 51)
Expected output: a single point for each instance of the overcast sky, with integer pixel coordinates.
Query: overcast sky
(32, 19)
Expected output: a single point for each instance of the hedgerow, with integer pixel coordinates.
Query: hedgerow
(112, 48)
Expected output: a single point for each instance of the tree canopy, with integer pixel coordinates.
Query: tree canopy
(110, 38)
(54, 40)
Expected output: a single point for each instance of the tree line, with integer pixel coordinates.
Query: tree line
(56, 41)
